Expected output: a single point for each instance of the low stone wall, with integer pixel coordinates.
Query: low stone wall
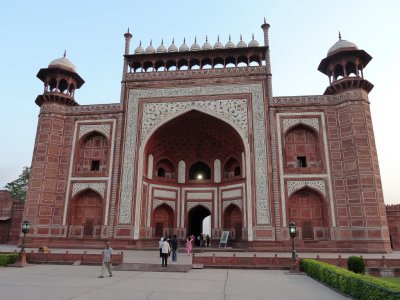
(70, 258)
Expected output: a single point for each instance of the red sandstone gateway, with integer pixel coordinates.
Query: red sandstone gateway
(198, 133)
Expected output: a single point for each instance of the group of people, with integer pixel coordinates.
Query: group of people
(167, 246)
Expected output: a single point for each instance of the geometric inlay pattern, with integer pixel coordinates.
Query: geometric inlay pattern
(157, 203)
(208, 205)
(102, 128)
(96, 186)
(313, 122)
(237, 202)
(234, 110)
(293, 186)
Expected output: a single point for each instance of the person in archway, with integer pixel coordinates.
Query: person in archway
(165, 250)
(208, 239)
(189, 244)
(174, 246)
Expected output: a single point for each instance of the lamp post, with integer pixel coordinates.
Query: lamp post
(25, 230)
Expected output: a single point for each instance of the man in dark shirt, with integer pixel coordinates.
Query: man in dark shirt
(174, 246)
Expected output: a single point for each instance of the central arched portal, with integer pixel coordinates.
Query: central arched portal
(196, 217)
(193, 163)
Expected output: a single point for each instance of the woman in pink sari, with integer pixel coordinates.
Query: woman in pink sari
(189, 245)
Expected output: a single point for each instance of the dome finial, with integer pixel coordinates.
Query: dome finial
(65, 53)
(162, 41)
(173, 40)
(241, 37)
(140, 43)
(151, 42)
(184, 40)
(218, 38)
(206, 38)
(128, 30)
(229, 37)
(195, 39)
(340, 36)
(265, 22)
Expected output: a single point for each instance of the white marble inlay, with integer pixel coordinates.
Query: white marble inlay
(165, 194)
(202, 196)
(96, 186)
(313, 122)
(293, 186)
(231, 193)
(102, 128)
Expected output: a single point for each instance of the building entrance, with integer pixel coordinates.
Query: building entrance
(195, 221)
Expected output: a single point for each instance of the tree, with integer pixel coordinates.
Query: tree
(19, 186)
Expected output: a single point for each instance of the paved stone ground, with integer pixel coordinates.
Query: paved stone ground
(81, 282)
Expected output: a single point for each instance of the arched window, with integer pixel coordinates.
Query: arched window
(165, 169)
(92, 154)
(200, 171)
(231, 168)
(302, 151)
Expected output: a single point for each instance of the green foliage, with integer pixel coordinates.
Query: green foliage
(357, 286)
(6, 259)
(356, 264)
(19, 186)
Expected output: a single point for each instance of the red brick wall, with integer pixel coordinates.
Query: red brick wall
(50, 165)
(360, 210)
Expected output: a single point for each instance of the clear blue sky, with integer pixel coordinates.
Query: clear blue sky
(35, 32)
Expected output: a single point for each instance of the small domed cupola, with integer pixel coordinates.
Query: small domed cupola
(206, 45)
(195, 46)
(184, 47)
(344, 65)
(253, 42)
(241, 43)
(139, 49)
(150, 49)
(60, 82)
(218, 44)
(172, 47)
(229, 44)
(161, 48)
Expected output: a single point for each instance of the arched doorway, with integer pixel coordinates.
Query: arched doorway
(195, 220)
(233, 221)
(87, 211)
(308, 210)
(163, 220)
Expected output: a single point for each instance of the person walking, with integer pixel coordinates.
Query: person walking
(165, 250)
(106, 260)
(174, 246)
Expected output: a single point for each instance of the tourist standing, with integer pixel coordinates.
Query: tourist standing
(189, 244)
(160, 245)
(208, 239)
(174, 246)
(165, 250)
(106, 260)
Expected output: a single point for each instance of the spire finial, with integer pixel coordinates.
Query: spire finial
(65, 53)
(206, 38)
(195, 39)
(229, 37)
(265, 22)
(140, 43)
(173, 40)
(184, 40)
(252, 36)
(218, 38)
(128, 30)
(151, 42)
(340, 36)
(162, 41)
(240, 37)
